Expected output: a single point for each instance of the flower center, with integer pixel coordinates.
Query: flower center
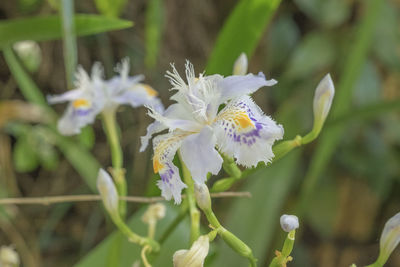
(149, 90)
(157, 165)
(81, 103)
(243, 120)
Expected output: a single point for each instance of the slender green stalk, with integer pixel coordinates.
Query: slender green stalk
(203, 200)
(28, 88)
(133, 237)
(69, 40)
(194, 212)
(375, 264)
(118, 172)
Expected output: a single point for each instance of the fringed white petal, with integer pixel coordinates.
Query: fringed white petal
(153, 128)
(199, 154)
(67, 96)
(173, 122)
(139, 95)
(175, 111)
(165, 147)
(239, 85)
(245, 133)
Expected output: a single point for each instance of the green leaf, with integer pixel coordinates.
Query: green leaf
(83, 162)
(387, 36)
(28, 88)
(368, 87)
(282, 39)
(321, 213)
(240, 33)
(44, 28)
(24, 155)
(128, 252)
(315, 52)
(110, 8)
(69, 40)
(87, 137)
(254, 220)
(329, 13)
(154, 30)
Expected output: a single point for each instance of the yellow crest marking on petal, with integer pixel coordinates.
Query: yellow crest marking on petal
(243, 120)
(79, 103)
(149, 90)
(162, 149)
(157, 166)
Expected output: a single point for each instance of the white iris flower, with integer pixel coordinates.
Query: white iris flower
(94, 95)
(197, 126)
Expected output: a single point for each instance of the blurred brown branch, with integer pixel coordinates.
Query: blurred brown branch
(84, 198)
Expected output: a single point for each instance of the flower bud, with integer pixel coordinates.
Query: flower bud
(323, 100)
(202, 195)
(108, 192)
(195, 256)
(240, 65)
(30, 54)
(153, 213)
(8, 257)
(390, 238)
(289, 222)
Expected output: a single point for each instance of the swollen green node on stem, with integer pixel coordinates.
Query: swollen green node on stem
(237, 245)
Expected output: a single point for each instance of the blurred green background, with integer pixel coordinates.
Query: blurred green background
(343, 186)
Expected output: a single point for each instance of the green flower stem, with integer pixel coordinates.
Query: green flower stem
(194, 212)
(280, 150)
(233, 241)
(231, 168)
(288, 245)
(283, 257)
(284, 147)
(69, 40)
(375, 264)
(118, 172)
(135, 238)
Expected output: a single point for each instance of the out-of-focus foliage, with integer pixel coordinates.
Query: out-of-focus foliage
(241, 33)
(111, 8)
(154, 30)
(43, 28)
(356, 184)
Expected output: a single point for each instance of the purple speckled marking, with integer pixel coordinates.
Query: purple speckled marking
(249, 138)
(82, 112)
(166, 176)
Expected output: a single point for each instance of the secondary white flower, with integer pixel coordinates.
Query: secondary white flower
(94, 95)
(289, 222)
(196, 126)
(390, 237)
(195, 256)
(108, 192)
(8, 257)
